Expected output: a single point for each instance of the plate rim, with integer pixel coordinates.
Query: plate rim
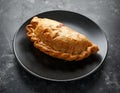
(59, 80)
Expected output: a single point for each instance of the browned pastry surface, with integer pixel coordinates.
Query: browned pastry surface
(58, 40)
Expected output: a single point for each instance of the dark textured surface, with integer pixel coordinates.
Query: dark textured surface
(14, 79)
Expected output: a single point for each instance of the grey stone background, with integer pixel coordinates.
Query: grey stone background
(14, 79)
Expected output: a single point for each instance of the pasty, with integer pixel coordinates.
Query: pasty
(59, 41)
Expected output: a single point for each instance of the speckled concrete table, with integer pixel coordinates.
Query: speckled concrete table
(14, 79)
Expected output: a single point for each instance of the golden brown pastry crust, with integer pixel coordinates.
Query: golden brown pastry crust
(58, 40)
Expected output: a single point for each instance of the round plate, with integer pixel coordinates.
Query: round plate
(44, 66)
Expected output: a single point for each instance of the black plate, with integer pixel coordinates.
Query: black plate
(44, 66)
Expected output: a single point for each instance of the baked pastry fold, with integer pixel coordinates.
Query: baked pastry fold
(59, 41)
